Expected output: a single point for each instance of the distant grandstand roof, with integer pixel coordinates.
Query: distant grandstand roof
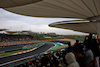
(79, 25)
(83, 9)
(12, 32)
(51, 33)
(25, 31)
(3, 29)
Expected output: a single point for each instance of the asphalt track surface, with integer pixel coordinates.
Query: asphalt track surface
(11, 47)
(39, 50)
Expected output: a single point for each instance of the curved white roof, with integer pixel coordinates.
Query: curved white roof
(3, 29)
(81, 26)
(11, 32)
(53, 8)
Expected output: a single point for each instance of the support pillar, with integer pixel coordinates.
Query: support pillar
(98, 33)
(98, 30)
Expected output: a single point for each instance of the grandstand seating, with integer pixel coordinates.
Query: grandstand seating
(9, 37)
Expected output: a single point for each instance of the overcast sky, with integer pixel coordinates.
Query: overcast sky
(15, 22)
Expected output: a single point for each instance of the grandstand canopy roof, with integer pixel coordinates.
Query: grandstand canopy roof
(79, 25)
(83, 9)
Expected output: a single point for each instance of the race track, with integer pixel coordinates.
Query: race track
(41, 49)
(11, 47)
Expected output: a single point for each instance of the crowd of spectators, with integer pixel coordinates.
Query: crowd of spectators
(9, 38)
(79, 55)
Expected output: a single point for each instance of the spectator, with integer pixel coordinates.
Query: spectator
(70, 58)
(69, 49)
(76, 46)
(95, 50)
(88, 56)
(64, 59)
(61, 61)
(94, 46)
(77, 42)
(44, 61)
(80, 56)
(55, 61)
(77, 49)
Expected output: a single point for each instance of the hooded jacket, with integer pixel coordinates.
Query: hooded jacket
(88, 57)
(70, 58)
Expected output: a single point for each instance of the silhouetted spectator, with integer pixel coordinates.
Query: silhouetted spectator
(88, 56)
(80, 56)
(54, 61)
(70, 58)
(69, 49)
(77, 42)
(44, 61)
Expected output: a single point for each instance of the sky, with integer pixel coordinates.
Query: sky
(15, 22)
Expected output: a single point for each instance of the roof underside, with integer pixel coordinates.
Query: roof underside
(86, 27)
(53, 8)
